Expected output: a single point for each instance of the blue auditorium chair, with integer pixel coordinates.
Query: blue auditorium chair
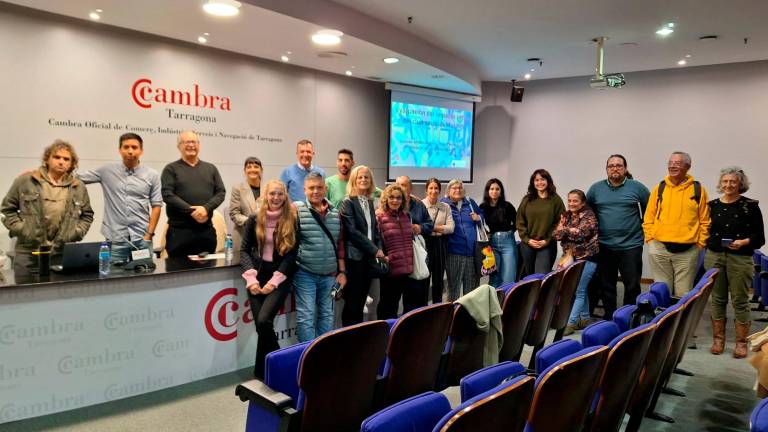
(327, 384)
(660, 290)
(503, 407)
(516, 313)
(566, 295)
(566, 387)
(623, 316)
(542, 315)
(756, 291)
(465, 347)
(666, 326)
(416, 343)
(621, 372)
(758, 421)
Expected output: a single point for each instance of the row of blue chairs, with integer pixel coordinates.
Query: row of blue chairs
(760, 283)
(427, 349)
(611, 371)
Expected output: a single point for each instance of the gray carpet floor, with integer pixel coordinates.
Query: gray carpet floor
(720, 397)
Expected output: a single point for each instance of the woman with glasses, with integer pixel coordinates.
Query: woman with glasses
(462, 274)
(397, 237)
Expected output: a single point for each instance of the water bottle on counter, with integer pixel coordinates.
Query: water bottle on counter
(104, 257)
(228, 252)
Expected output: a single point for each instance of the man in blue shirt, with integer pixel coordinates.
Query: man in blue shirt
(619, 203)
(293, 176)
(132, 199)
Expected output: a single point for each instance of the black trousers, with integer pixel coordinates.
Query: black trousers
(265, 308)
(437, 253)
(180, 242)
(538, 260)
(355, 292)
(629, 263)
(394, 287)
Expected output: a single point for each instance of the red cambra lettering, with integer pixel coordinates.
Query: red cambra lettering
(221, 324)
(144, 95)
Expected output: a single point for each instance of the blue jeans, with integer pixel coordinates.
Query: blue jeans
(505, 251)
(121, 251)
(581, 304)
(314, 304)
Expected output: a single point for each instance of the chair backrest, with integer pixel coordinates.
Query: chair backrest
(622, 369)
(666, 326)
(416, 344)
(517, 310)
(680, 341)
(417, 413)
(661, 291)
(339, 369)
(564, 391)
(555, 352)
(466, 347)
(545, 307)
(764, 281)
(502, 408)
(566, 294)
(487, 378)
(623, 316)
(649, 297)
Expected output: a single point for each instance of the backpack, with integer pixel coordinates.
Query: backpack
(644, 314)
(660, 194)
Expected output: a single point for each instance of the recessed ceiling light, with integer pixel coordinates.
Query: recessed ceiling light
(327, 37)
(533, 70)
(349, 73)
(391, 60)
(671, 25)
(687, 56)
(664, 31)
(95, 15)
(222, 8)
(202, 39)
(527, 76)
(682, 63)
(285, 59)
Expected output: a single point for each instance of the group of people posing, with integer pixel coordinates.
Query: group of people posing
(326, 238)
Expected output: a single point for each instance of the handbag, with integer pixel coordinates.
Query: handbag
(420, 267)
(565, 260)
(377, 267)
(485, 260)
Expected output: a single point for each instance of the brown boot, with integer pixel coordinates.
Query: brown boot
(742, 330)
(718, 336)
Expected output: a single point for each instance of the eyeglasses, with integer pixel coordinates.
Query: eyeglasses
(676, 164)
(189, 142)
(395, 198)
(614, 166)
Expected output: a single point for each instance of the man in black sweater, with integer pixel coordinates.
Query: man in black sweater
(192, 190)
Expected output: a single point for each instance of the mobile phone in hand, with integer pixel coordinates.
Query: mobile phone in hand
(726, 242)
(336, 291)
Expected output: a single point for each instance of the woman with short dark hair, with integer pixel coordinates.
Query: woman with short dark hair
(440, 213)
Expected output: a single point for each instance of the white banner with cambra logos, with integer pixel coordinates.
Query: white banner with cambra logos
(72, 345)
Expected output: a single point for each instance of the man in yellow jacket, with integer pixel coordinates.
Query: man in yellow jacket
(676, 225)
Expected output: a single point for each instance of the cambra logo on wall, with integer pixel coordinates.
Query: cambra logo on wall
(144, 94)
(222, 325)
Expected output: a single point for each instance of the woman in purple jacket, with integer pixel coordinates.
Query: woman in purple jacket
(397, 237)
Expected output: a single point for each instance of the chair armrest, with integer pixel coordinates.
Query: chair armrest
(257, 391)
(764, 275)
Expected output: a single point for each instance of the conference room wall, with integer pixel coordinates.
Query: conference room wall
(66, 69)
(715, 113)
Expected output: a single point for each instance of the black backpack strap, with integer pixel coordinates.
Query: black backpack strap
(696, 191)
(659, 195)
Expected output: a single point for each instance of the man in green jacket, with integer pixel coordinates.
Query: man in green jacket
(48, 207)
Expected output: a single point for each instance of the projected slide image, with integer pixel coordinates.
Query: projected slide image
(423, 136)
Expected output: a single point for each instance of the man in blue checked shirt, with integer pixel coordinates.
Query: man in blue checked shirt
(132, 199)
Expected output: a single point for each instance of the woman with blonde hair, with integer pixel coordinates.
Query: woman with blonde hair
(361, 242)
(267, 257)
